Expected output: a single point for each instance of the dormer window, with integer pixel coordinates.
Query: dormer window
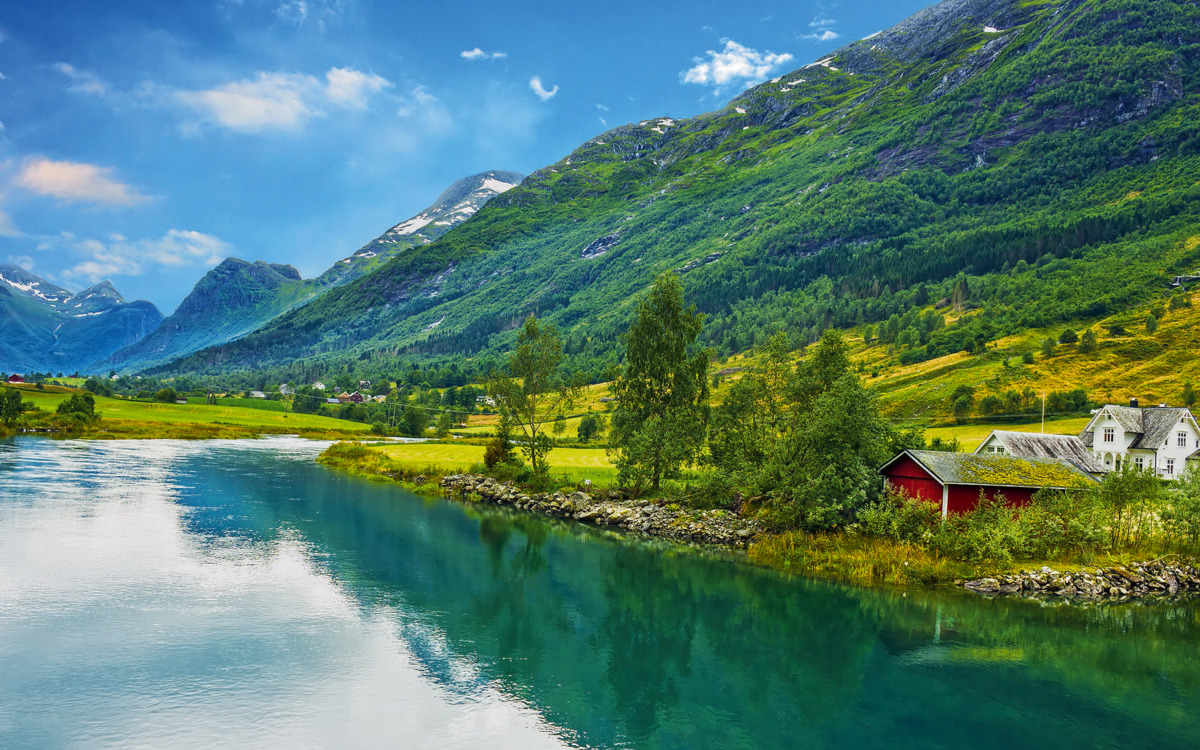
(1108, 434)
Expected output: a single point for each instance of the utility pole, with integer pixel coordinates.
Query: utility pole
(1043, 411)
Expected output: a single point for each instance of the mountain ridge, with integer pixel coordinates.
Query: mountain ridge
(50, 329)
(1033, 161)
(237, 296)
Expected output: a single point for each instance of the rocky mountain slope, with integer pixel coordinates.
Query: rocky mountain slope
(1019, 161)
(238, 297)
(49, 329)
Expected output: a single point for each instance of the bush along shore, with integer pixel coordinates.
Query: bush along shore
(610, 508)
(1152, 579)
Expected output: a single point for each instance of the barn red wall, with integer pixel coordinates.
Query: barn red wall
(908, 475)
(963, 498)
(917, 482)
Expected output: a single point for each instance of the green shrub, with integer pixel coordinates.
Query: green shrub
(990, 532)
(902, 518)
(1063, 525)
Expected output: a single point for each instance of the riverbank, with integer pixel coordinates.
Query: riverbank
(609, 508)
(840, 556)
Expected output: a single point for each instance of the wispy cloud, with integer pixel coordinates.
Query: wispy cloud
(535, 84)
(281, 101)
(7, 227)
(118, 256)
(24, 261)
(82, 81)
(822, 29)
(736, 64)
(351, 88)
(478, 54)
(76, 183)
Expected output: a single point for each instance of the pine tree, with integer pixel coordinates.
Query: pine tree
(662, 394)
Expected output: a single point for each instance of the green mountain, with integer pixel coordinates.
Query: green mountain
(1024, 161)
(49, 329)
(238, 297)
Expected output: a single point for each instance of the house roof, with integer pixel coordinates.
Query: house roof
(1152, 424)
(1039, 445)
(999, 470)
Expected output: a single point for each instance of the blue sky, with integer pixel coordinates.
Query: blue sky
(144, 141)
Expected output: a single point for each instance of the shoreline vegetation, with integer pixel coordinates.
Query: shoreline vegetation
(846, 557)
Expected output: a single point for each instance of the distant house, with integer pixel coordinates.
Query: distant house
(1039, 445)
(257, 394)
(485, 400)
(318, 386)
(332, 401)
(181, 400)
(954, 481)
(287, 390)
(379, 399)
(364, 384)
(357, 397)
(343, 397)
(16, 379)
(1159, 438)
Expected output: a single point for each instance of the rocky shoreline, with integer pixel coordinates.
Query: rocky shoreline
(650, 517)
(1146, 580)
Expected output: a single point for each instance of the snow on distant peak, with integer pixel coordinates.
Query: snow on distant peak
(993, 30)
(30, 289)
(411, 225)
(870, 36)
(497, 185)
(822, 63)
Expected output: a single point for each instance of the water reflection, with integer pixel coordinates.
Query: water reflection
(266, 576)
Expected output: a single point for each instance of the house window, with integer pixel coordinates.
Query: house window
(1138, 461)
(1170, 466)
(1183, 440)
(1108, 434)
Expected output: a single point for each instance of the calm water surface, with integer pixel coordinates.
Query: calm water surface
(166, 594)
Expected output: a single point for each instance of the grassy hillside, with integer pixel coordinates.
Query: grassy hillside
(1043, 175)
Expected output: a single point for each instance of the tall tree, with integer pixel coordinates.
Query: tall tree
(662, 394)
(531, 392)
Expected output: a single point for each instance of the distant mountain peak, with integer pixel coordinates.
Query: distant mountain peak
(456, 204)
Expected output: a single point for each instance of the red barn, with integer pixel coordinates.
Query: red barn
(16, 379)
(955, 480)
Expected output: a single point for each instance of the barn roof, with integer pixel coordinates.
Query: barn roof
(999, 470)
(1038, 445)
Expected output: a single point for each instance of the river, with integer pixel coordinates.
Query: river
(234, 594)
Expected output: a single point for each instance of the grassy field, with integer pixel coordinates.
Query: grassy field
(577, 463)
(122, 418)
(485, 424)
(971, 435)
(1149, 366)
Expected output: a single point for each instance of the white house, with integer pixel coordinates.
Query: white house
(287, 390)
(1039, 445)
(1155, 438)
(318, 386)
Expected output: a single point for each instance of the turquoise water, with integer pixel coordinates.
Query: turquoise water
(167, 594)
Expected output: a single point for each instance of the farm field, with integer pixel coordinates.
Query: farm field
(971, 435)
(577, 463)
(122, 418)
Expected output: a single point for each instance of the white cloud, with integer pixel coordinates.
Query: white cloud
(350, 88)
(82, 81)
(478, 54)
(282, 101)
(293, 11)
(121, 257)
(827, 35)
(535, 83)
(735, 64)
(7, 227)
(822, 29)
(76, 183)
(24, 261)
(602, 108)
